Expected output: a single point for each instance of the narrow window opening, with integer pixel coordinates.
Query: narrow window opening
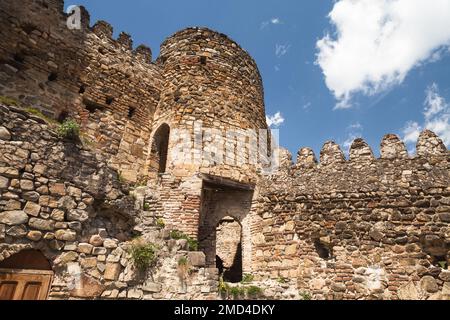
(19, 58)
(109, 100)
(82, 89)
(63, 116)
(203, 60)
(53, 76)
(160, 148)
(92, 106)
(131, 112)
(322, 250)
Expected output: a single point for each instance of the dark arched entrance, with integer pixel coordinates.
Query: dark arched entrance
(159, 150)
(26, 275)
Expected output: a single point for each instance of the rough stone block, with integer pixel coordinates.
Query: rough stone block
(112, 271)
(32, 209)
(12, 218)
(197, 259)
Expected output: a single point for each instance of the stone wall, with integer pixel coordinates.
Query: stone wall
(358, 229)
(84, 74)
(61, 198)
(209, 82)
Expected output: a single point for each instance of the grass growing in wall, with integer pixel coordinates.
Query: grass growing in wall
(254, 292)
(305, 295)
(176, 235)
(282, 280)
(143, 255)
(247, 278)
(38, 113)
(69, 130)
(160, 223)
(223, 288)
(8, 101)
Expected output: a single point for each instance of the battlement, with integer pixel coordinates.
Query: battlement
(391, 148)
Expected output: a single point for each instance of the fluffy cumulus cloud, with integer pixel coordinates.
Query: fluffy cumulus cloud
(436, 118)
(275, 120)
(377, 42)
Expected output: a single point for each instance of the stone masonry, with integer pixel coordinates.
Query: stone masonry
(328, 228)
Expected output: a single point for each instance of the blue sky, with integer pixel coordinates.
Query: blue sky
(404, 62)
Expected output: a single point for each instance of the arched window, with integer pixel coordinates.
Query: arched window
(160, 146)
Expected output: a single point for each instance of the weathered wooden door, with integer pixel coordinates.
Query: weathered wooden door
(24, 284)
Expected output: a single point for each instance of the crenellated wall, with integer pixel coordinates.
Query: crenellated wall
(332, 228)
(358, 229)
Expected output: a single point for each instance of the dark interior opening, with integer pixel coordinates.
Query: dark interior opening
(52, 76)
(131, 112)
(28, 27)
(203, 60)
(440, 261)
(28, 260)
(322, 250)
(62, 116)
(160, 148)
(92, 106)
(18, 57)
(109, 100)
(219, 265)
(234, 274)
(82, 89)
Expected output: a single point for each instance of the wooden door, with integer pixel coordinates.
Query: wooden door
(24, 284)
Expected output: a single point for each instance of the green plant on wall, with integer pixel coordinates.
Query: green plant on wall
(305, 295)
(38, 113)
(176, 235)
(160, 223)
(237, 292)
(8, 101)
(247, 278)
(69, 129)
(282, 280)
(254, 292)
(143, 254)
(183, 268)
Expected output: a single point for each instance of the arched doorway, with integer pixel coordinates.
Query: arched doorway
(159, 150)
(229, 249)
(225, 226)
(26, 275)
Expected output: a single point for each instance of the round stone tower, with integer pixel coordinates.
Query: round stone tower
(211, 107)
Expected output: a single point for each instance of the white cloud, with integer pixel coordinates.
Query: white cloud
(307, 105)
(275, 120)
(274, 21)
(378, 42)
(281, 49)
(436, 118)
(411, 132)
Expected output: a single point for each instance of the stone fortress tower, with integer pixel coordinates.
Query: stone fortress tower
(177, 141)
